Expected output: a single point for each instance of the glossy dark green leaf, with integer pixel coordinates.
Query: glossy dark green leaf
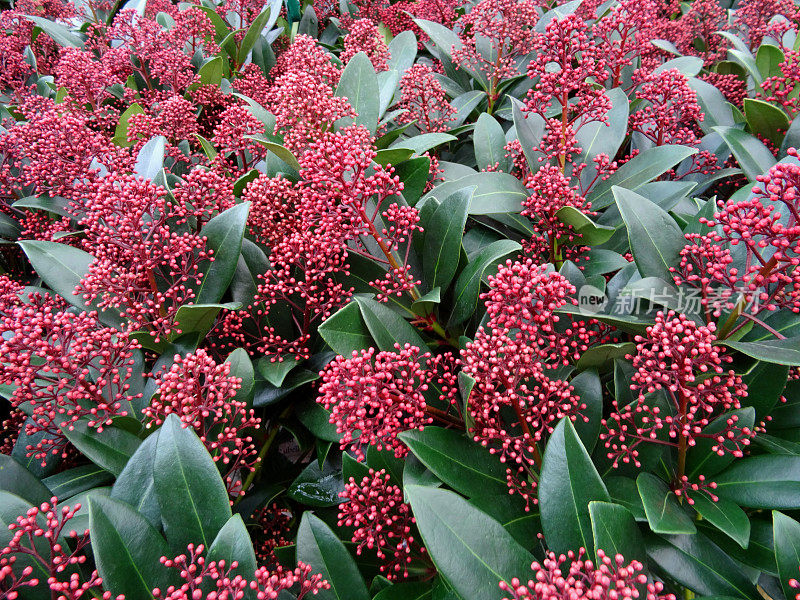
(461, 463)
(753, 156)
(11, 507)
(509, 510)
(317, 487)
(233, 544)
(278, 150)
(443, 233)
(765, 385)
(359, 84)
(191, 495)
(590, 391)
(770, 482)
(224, 233)
(406, 590)
(386, 326)
(110, 448)
(253, 33)
(471, 550)
(468, 285)
(697, 563)
(59, 33)
(136, 485)
(62, 267)
(786, 532)
(568, 482)
(345, 331)
(623, 491)
(490, 142)
(318, 546)
(615, 531)
(714, 105)
(76, 480)
(494, 192)
(393, 156)
(402, 51)
(591, 233)
(597, 137)
(422, 143)
(242, 367)
(16, 479)
(661, 506)
(446, 41)
(641, 169)
(127, 549)
(766, 120)
(780, 352)
(414, 174)
(530, 131)
(654, 236)
(725, 516)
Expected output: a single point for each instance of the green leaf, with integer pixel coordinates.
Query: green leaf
(471, 550)
(754, 158)
(233, 544)
(446, 40)
(275, 371)
(345, 331)
(393, 156)
(150, 159)
(654, 236)
(422, 143)
(530, 131)
(242, 367)
(495, 192)
(604, 354)
(110, 448)
(462, 464)
(766, 120)
(253, 33)
(191, 495)
(443, 233)
(211, 72)
(62, 267)
(386, 326)
(567, 483)
(786, 536)
(317, 486)
(641, 169)
(414, 174)
(359, 84)
(278, 150)
(490, 142)
(615, 531)
(766, 383)
(468, 284)
(319, 547)
(768, 60)
(591, 233)
(224, 233)
(771, 481)
(780, 352)
(121, 132)
(596, 137)
(208, 147)
(77, 480)
(406, 590)
(317, 420)
(198, 318)
(127, 549)
(16, 479)
(725, 516)
(714, 105)
(135, 485)
(695, 562)
(60, 34)
(11, 507)
(661, 506)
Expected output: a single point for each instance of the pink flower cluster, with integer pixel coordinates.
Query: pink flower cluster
(66, 366)
(202, 394)
(678, 357)
(607, 579)
(40, 537)
(424, 100)
(382, 521)
(200, 576)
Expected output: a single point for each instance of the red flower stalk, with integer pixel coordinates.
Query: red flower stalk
(142, 266)
(506, 26)
(202, 394)
(508, 359)
(382, 521)
(364, 36)
(565, 71)
(703, 20)
(780, 88)
(274, 523)
(39, 536)
(66, 366)
(608, 579)
(377, 394)
(424, 100)
(200, 574)
(679, 357)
